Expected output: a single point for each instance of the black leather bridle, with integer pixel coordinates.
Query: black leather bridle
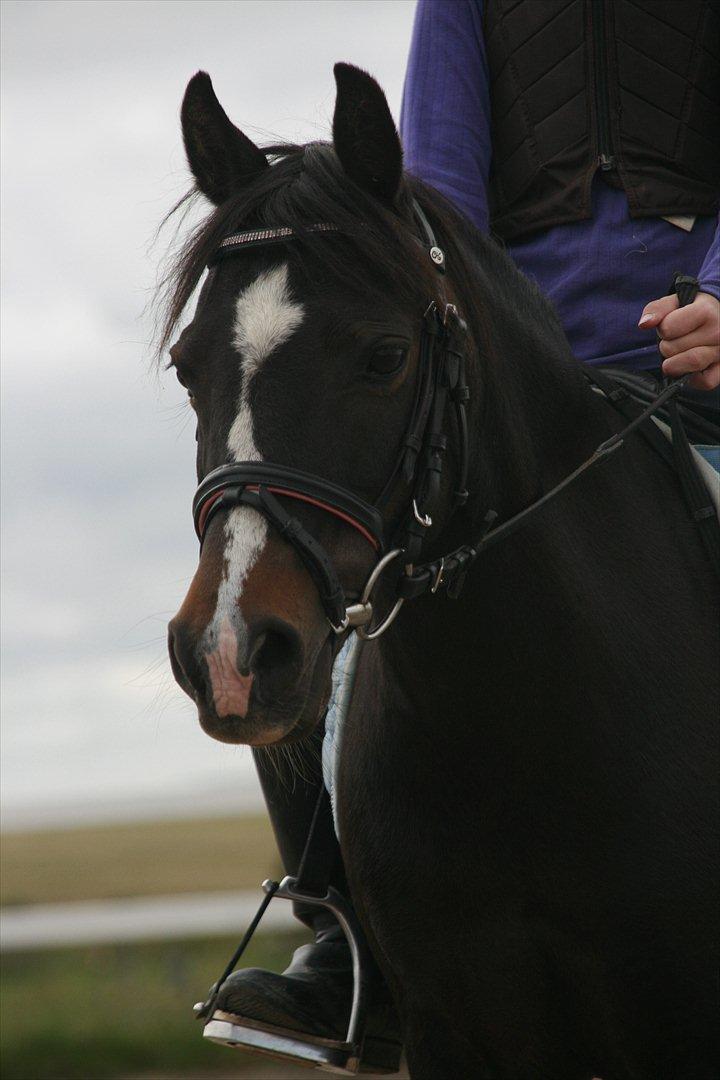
(265, 486)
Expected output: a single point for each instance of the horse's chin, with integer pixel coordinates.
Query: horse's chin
(273, 723)
(262, 727)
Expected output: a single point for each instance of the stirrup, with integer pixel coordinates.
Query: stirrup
(340, 1056)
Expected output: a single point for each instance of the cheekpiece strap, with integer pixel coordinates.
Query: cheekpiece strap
(435, 252)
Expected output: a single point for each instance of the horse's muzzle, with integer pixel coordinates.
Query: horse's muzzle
(253, 686)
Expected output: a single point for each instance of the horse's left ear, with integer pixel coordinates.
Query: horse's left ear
(221, 157)
(364, 134)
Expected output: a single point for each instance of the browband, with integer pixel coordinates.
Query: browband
(256, 237)
(282, 233)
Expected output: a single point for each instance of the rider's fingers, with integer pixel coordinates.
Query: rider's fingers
(654, 312)
(692, 360)
(686, 319)
(701, 336)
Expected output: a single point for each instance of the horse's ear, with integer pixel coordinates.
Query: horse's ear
(364, 134)
(220, 157)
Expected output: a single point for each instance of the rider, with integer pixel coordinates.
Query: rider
(599, 214)
(588, 150)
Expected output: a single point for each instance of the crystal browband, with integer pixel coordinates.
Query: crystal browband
(255, 237)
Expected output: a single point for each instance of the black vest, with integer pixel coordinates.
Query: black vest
(629, 87)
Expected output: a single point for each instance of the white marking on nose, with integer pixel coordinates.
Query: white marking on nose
(231, 690)
(265, 317)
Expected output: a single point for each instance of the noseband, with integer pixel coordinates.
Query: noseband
(266, 486)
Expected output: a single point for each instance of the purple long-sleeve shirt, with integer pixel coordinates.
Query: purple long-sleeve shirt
(599, 273)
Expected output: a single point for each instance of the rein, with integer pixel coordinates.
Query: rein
(419, 467)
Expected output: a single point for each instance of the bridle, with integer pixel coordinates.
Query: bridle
(266, 486)
(419, 464)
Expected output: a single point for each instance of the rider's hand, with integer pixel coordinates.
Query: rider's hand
(690, 337)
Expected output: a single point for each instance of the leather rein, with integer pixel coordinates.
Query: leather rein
(266, 486)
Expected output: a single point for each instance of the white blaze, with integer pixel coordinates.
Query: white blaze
(265, 317)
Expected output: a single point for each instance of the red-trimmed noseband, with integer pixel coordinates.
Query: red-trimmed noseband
(212, 499)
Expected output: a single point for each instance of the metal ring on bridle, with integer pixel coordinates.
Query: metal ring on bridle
(371, 633)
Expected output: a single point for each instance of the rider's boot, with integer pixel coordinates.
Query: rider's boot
(311, 999)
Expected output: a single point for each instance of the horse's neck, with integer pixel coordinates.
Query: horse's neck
(534, 417)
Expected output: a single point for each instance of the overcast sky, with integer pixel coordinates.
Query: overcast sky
(98, 451)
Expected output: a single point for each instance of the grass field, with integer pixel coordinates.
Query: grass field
(136, 860)
(124, 1012)
(120, 1012)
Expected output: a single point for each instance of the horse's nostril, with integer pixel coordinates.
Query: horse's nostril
(273, 649)
(254, 650)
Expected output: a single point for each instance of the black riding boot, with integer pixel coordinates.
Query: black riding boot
(313, 996)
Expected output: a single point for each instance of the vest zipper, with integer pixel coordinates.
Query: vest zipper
(606, 158)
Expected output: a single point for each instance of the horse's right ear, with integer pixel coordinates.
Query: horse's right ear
(221, 158)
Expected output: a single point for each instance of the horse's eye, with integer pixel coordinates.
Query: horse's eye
(386, 362)
(185, 386)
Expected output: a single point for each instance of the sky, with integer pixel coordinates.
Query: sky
(97, 446)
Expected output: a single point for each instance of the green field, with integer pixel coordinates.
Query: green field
(137, 860)
(125, 1011)
(122, 1012)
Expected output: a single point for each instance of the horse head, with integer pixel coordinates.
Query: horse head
(304, 356)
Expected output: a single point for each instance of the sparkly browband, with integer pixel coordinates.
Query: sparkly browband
(256, 237)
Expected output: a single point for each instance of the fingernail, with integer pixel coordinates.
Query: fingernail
(646, 319)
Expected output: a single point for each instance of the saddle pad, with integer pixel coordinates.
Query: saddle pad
(710, 473)
(343, 680)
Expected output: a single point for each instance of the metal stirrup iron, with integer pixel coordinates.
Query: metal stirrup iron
(311, 886)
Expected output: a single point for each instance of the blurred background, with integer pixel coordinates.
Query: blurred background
(132, 845)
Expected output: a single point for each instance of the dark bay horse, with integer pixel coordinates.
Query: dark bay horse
(527, 782)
